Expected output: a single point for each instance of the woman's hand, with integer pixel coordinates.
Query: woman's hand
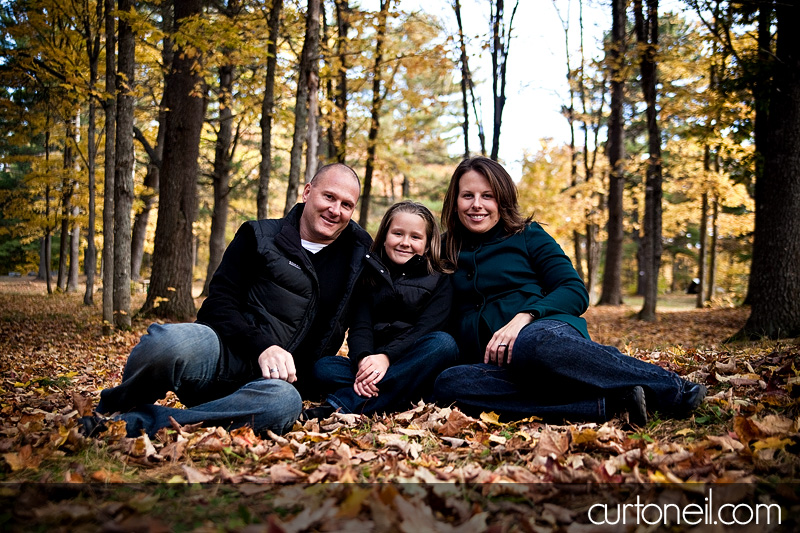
(371, 370)
(501, 346)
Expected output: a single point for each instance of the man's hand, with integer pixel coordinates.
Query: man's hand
(371, 370)
(277, 363)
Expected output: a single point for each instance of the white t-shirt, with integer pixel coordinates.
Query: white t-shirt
(312, 247)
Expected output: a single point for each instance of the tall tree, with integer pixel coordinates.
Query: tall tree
(500, 44)
(378, 95)
(155, 153)
(123, 176)
(464, 75)
(224, 148)
(569, 112)
(775, 282)
(170, 293)
(92, 30)
(110, 112)
(312, 132)
(268, 110)
(342, 49)
(307, 56)
(647, 37)
(615, 53)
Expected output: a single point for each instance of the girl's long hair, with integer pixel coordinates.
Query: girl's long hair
(505, 192)
(433, 252)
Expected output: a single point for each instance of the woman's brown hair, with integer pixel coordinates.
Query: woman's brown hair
(504, 191)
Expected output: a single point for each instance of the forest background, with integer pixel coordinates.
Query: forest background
(212, 113)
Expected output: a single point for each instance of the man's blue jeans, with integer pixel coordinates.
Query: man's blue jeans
(408, 379)
(557, 374)
(184, 358)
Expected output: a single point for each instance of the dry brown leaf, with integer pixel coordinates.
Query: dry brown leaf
(283, 473)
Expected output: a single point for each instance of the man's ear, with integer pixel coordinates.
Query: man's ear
(306, 191)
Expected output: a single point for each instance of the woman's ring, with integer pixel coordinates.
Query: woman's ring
(502, 344)
(273, 370)
(376, 371)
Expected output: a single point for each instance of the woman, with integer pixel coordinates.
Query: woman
(518, 302)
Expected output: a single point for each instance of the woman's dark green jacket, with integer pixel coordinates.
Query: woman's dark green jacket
(500, 275)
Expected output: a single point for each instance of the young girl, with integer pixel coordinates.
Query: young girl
(396, 348)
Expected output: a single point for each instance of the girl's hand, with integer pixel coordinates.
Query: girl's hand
(501, 346)
(371, 370)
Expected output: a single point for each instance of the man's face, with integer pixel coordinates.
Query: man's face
(330, 201)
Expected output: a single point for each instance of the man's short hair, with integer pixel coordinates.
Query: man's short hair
(341, 166)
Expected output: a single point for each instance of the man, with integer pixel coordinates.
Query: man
(278, 301)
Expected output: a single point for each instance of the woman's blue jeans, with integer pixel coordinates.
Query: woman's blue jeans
(408, 379)
(184, 358)
(557, 374)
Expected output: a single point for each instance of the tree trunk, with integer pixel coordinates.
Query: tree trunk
(48, 248)
(761, 106)
(170, 294)
(44, 270)
(712, 250)
(312, 133)
(501, 39)
(123, 176)
(267, 111)
(90, 256)
(647, 35)
(612, 275)
(377, 100)
(67, 191)
(222, 175)
(307, 55)
(74, 251)
(464, 76)
(149, 195)
(110, 111)
(343, 25)
(589, 160)
(577, 238)
(775, 276)
(701, 256)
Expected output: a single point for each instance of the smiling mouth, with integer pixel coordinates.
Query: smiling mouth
(477, 218)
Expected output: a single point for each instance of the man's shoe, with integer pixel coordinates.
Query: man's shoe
(91, 426)
(632, 402)
(693, 396)
(320, 413)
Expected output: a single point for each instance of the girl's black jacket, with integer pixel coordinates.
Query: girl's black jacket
(396, 307)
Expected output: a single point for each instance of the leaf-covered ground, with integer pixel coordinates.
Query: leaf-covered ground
(431, 468)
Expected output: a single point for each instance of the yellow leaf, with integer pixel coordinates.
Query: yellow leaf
(492, 418)
(525, 436)
(772, 443)
(684, 431)
(353, 503)
(586, 435)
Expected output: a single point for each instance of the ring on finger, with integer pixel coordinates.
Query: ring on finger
(273, 370)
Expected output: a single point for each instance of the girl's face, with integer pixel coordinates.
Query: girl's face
(407, 236)
(476, 205)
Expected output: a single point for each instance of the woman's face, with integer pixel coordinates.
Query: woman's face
(477, 206)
